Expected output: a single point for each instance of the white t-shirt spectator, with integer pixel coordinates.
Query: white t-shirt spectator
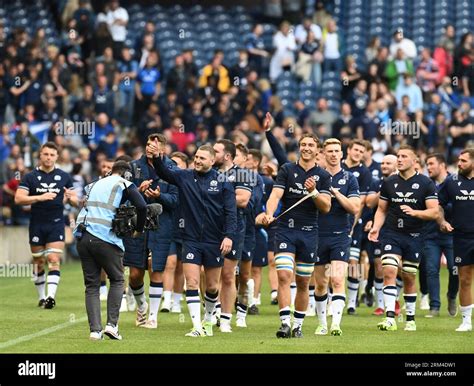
(301, 33)
(118, 32)
(407, 46)
(331, 46)
(284, 53)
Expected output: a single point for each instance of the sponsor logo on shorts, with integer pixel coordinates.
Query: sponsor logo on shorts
(377, 251)
(283, 246)
(457, 259)
(388, 247)
(35, 239)
(190, 256)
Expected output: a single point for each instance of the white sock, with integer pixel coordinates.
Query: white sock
(298, 319)
(226, 318)
(466, 313)
(40, 284)
(399, 286)
(312, 300)
(293, 292)
(176, 298)
(274, 294)
(353, 288)
(258, 301)
(389, 297)
(139, 294)
(53, 281)
(338, 303)
(241, 310)
(378, 284)
(218, 309)
(167, 297)
(410, 301)
(210, 301)
(285, 316)
(362, 285)
(321, 305)
(156, 290)
(194, 306)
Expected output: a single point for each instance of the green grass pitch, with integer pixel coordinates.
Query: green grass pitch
(21, 320)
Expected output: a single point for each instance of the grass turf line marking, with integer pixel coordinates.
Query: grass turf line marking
(46, 331)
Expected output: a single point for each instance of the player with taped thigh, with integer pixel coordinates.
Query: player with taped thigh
(46, 189)
(389, 167)
(407, 200)
(304, 187)
(334, 239)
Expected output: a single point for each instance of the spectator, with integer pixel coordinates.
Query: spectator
(372, 49)
(448, 40)
(413, 91)
(310, 57)
(216, 71)
(349, 77)
(461, 54)
(284, 44)
(381, 60)
(256, 49)
(116, 18)
(322, 115)
(369, 123)
(191, 69)
(399, 41)
(331, 42)
(104, 98)
(102, 39)
(28, 143)
(427, 72)
(148, 85)
(150, 123)
(302, 30)
(176, 79)
(239, 72)
(147, 47)
(359, 99)
(344, 119)
(64, 161)
(397, 68)
(127, 74)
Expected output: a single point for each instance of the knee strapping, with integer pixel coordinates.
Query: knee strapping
(284, 263)
(410, 267)
(304, 269)
(38, 255)
(390, 261)
(53, 264)
(354, 253)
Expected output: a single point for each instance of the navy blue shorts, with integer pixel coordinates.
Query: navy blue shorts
(176, 248)
(44, 233)
(136, 255)
(304, 244)
(238, 241)
(357, 235)
(260, 257)
(334, 247)
(365, 243)
(201, 253)
(271, 231)
(463, 248)
(407, 245)
(248, 251)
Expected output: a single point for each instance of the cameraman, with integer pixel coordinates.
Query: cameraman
(99, 248)
(156, 242)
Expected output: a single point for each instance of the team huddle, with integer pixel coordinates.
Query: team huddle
(314, 222)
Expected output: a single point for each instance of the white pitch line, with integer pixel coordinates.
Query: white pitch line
(46, 331)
